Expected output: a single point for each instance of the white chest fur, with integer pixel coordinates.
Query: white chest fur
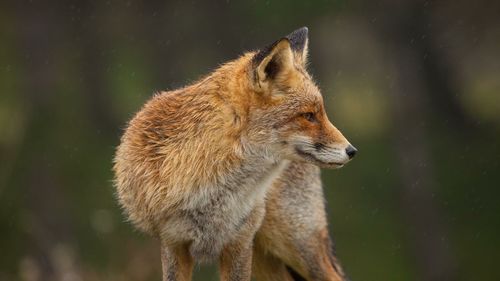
(212, 217)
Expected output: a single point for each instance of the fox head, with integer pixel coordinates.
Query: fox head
(289, 115)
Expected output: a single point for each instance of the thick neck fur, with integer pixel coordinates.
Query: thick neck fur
(233, 85)
(234, 82)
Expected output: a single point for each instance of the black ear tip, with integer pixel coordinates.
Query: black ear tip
(298, 38)
(299, 33)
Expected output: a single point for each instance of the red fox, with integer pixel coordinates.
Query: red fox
(195, 164)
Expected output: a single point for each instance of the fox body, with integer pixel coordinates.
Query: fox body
(194, 164)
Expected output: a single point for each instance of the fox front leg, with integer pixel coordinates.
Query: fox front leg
(236, 262)
(236, 257)
(177, 263)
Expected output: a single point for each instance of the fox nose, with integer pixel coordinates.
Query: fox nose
(351, 151)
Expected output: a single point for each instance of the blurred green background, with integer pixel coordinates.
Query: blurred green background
(414, 85)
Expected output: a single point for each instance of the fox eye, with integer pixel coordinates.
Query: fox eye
(309, 116)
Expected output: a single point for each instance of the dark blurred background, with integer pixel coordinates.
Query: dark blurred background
(414, 85)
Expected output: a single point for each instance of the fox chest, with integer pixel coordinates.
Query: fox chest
(214, 217)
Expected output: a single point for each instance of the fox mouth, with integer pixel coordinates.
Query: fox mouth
(310, 157)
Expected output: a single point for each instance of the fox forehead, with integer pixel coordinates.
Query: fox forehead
(306, 94)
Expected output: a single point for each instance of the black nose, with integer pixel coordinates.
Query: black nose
(351, 151)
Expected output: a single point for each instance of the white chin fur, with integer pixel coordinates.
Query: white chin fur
(325, 155)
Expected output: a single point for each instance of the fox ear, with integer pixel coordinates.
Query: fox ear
(272, 61)
(299, 42)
